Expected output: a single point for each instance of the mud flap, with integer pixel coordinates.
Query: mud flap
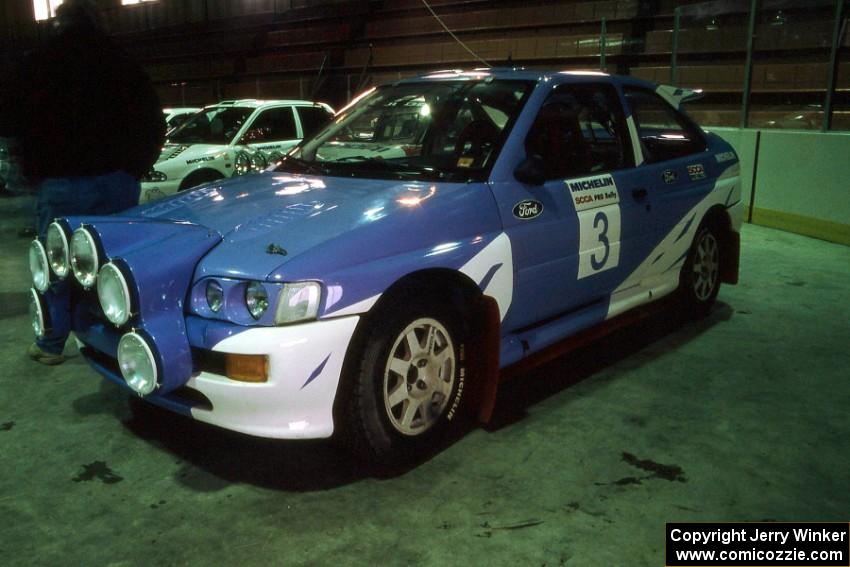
(732, 258)
(483, 361)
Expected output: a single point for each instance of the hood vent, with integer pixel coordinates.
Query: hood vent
(171, 151)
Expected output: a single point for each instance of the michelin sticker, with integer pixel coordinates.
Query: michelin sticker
(597, 203)
(200, 159)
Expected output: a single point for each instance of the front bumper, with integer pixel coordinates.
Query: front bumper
(305, 363)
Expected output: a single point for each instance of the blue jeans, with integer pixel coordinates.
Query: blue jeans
(71, 196)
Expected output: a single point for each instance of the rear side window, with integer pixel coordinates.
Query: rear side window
(273, 124)
(313, 119)
(664, 132)
(580, 130)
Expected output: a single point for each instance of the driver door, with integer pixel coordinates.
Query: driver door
(273, 130)
(573, 236)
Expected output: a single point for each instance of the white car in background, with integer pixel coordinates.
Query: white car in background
(175, 117)
(231, 138)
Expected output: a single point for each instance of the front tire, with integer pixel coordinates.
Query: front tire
(700, 279)
(407, 384)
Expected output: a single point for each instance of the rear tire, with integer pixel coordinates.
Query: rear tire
(406, 382)
(699, 282)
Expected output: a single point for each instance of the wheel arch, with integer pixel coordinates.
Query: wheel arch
(198, 176)
(479, 315)
(455, 286)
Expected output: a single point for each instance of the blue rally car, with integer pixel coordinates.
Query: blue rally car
(373, 283)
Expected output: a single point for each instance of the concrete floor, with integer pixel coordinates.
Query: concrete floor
(743, 416)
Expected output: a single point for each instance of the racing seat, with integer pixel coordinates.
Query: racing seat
(476, 141)
(217, 128)
(556, 137)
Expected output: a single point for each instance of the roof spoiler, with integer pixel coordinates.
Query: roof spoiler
(677, 96)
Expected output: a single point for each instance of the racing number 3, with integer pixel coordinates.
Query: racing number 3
(599, 240)
(600, 218)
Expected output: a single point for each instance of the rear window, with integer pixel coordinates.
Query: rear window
(664, 132)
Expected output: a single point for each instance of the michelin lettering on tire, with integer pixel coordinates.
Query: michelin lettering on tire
(461, 378)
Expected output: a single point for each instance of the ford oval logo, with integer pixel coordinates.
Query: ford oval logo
(528, 209)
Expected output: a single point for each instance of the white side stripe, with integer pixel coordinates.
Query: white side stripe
(501, 282)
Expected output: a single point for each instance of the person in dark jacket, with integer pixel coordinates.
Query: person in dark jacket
(88, 124)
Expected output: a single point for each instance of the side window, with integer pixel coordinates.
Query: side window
(580, 130)
(313, 119)
(272, 125)
(664, 132)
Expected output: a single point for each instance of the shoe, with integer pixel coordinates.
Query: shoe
(44, 357)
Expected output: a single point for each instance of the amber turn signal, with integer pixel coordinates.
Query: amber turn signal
(246, 367)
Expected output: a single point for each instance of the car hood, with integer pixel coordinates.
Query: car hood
(270, 220)
(189, 151)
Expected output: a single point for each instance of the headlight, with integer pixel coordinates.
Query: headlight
(154, 176)
(258, 161)
(137, 362)
(215, 296)
(114, 294)
(242, 163)
(39, 267)
(298, 302)
(39, 324)
(256, 299)
(58, 249)
(274, 157)
(84, 261)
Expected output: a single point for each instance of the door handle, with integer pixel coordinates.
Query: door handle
(639, 194)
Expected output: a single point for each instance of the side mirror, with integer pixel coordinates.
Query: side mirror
(531, 170)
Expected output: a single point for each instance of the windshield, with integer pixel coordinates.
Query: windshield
(214, 125)
(449, 130)
(177, 119)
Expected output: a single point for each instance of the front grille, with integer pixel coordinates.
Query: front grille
(184, 396)
(102, 359)
(191, 397)
(204, 360)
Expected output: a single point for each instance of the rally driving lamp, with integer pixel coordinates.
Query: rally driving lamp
(58, 250)
(84, 260)
(137, 363)
(114, 294)
(39, 266)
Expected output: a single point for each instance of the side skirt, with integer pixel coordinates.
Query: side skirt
(484, 402)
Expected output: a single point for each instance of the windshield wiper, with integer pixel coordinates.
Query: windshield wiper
(385, 164)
